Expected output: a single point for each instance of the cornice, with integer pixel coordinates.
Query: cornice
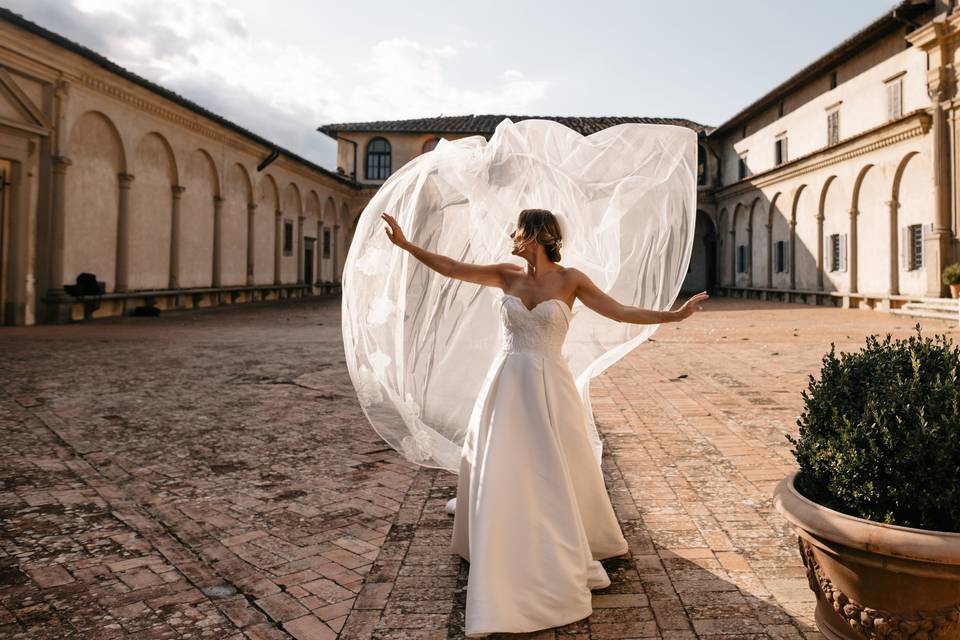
(913, 124)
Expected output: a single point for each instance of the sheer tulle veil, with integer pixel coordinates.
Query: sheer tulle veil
(418, 345)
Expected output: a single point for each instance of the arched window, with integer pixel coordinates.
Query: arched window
(378, 159)
(430, 144)
(701, 165)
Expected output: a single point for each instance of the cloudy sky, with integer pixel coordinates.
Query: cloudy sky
(283, 67)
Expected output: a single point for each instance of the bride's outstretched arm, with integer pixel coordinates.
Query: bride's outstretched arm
(594, 298)
(494, 275)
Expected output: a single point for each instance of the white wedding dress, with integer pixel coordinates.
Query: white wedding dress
(532, 512)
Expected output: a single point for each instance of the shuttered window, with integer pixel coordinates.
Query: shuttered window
(833, 127)
(895, 99)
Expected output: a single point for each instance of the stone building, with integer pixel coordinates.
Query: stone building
(370, 151)
(104, 172)
(836, 187)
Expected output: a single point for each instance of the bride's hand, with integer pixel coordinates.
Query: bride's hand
(394, 232)
(692, 305)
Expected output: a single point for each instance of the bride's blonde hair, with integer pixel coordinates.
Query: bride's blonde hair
(539, 225)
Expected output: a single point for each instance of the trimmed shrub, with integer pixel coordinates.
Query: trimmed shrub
(951, 274)
(880, 433)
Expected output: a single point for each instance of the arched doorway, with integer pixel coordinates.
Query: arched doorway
(701, 274)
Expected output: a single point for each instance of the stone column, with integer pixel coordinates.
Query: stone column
(122, 266)
(793, 254)
(217, 240)
(893, 206)
(852, 252)
(336, 252)
(769, 254)
(733, 255)
(277, 246)
(318, 276)
(299, 241)
(937, 245)
(820, 256)
(749, 265)
(251, 227)
(58, 224)
(173, 280)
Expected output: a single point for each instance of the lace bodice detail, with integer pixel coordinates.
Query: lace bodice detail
(539, 330)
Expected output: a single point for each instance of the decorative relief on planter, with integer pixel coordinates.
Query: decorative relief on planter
(875, 624)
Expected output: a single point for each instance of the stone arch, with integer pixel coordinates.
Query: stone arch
(756, 265)
(833, 213)
(723, 239)
(201, 183)
(292, 200)
(150, 219)
(741, 221)
(805, 240)
(701, 271)
(91, 199)
(912, 203)
(313, 228)
(236, 224)
(778, 230)
(328, 247)
(265, 229)
(870, 254)
(346, 232)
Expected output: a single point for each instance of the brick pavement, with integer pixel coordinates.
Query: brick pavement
(209, 475)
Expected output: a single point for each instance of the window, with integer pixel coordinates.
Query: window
(741, 258)
(701, 165)
(833, 127)
(378, 159)
(911, 246)
(780, 256)
(836, 252)
(742, 166)
(895, 99)
(287, 237)
(430, 144)
(326, 242)
(780, 150)
(833, 79)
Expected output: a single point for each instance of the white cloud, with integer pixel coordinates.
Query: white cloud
(204, 50)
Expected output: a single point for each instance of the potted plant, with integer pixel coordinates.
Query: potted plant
(951, 276)
(876, 501)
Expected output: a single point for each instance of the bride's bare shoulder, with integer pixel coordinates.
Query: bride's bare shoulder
(574, 275)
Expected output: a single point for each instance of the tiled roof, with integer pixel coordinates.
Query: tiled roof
(485, 124)
(105, 63)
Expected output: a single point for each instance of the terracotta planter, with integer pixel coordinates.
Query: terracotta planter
(955, 290)
(875, 580)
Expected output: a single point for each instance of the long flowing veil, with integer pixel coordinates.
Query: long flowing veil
(418, 345)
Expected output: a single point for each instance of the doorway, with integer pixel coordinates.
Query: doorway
(308, 261)
(701, 273)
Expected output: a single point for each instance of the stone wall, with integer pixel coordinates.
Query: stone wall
(159, 199)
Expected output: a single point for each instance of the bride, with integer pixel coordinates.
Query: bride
(532, 515)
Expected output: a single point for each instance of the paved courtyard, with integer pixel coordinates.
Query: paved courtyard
(209, 475)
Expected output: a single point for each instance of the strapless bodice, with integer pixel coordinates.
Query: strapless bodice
(540, 330)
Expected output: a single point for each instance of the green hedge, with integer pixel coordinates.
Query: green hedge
(880, 433)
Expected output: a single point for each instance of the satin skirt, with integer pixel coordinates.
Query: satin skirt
(532, 514)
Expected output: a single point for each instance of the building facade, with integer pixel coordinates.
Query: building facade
(836, 187)
(105, 173)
